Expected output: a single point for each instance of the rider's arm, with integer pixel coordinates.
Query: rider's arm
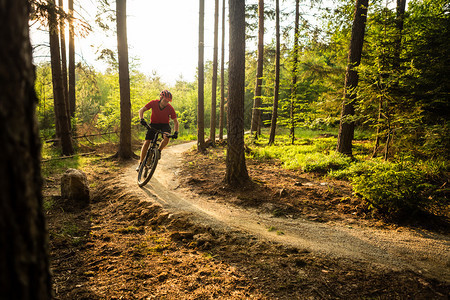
(175, 124)
(141, 112)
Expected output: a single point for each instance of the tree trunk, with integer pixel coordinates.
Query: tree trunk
(401, 5)
(377, 139)
(71, 62)
(24, 262)
(222, 76)
(62, 119)
(212, 134)
(294, 70)
(236, 170)
(347, 124)
(256, 113)
(64, 62)
(124, 81)
(201, 80)
(273, 123)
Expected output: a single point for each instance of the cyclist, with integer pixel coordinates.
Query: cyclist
(161, 112)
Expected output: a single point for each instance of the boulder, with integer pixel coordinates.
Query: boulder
(74, 186)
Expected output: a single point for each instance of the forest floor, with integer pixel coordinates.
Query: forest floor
(289, 235)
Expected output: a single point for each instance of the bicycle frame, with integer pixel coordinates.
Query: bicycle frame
(148, 165)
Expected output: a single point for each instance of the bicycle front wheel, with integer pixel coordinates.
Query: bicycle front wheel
(148, 167)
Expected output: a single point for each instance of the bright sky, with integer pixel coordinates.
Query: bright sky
(163, 35)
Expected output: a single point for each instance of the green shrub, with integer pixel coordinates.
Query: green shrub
(322, 163)
(354, 169)
(394, 189)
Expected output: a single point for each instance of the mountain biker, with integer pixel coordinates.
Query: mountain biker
(161, 112)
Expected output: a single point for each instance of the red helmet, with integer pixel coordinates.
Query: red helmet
(166, 94)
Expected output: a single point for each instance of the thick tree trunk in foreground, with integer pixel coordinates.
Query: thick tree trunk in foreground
(347, 124)
(256, 113)
(236, 170)
(125, 151)
(24, 263)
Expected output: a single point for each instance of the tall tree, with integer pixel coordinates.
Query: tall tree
(273, 123)
(125, 151)
(62, 36)
(401, 6)
(256, 113)
(294, 70)
(201, 79)
(212, 133)
(222, 76)
(347, 124)
(71, 62)
(24, 263)
(236, 170)
(62, 119)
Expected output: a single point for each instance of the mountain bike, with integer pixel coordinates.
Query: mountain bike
(148, 165)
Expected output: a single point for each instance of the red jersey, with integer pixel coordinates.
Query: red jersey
(160, 116)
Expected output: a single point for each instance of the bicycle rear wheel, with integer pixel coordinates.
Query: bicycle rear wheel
(148, 167)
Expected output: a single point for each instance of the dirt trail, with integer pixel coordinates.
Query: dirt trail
(423, 252)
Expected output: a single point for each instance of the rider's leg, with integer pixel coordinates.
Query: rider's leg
(164, 143)
(144, 150)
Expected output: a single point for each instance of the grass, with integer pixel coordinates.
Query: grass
(53, 164)
(309, 154)
(419, 182)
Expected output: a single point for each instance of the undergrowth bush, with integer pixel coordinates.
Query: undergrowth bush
(398, 190)
(319, 162)
(395, 189)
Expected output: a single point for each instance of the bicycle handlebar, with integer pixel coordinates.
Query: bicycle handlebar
(158, 131)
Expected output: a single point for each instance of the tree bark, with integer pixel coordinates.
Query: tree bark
(24, 262)
(72, 101)
(222, 76)
(401, 6)
(347, 124)
(294, 71)
(256, 113)
(236, 170)
(62, 36)
(273, 123)
(62, 118)
(201, 79)
(212, 133)
(124, 82)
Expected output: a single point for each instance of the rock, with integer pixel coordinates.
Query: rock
(74, 186)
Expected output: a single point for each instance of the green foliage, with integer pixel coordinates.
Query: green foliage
(44, 92)
(394, 188)
(308, 154)
(53, 166)
(399, 189)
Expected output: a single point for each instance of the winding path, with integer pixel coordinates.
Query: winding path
(420, 251)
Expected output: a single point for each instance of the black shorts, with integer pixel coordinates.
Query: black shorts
(163, 127)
